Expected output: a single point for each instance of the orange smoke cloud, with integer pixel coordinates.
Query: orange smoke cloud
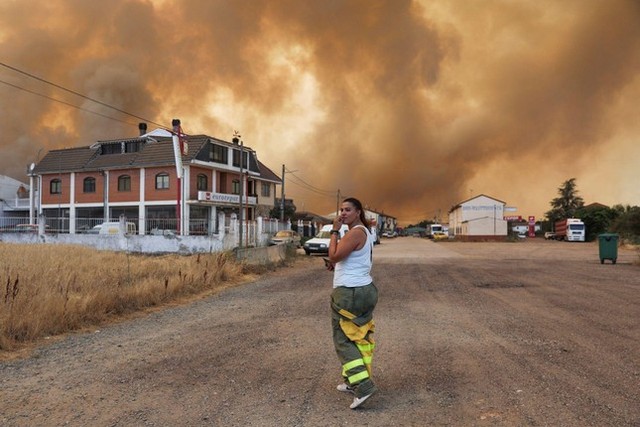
(409, 106)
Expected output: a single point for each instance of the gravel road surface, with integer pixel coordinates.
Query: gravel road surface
(531, 333)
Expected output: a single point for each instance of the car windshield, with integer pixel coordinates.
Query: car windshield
(576, 227)
(324, 235)
(283, 234)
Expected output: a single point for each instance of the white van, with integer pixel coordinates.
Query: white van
(320, 243)
(113, 228)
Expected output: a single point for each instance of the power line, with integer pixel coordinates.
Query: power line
(79, 94)
(310, 187)
(296, 180)
(65, 103)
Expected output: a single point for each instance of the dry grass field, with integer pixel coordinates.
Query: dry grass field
(49, 290)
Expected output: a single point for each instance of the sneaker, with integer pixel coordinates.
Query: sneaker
(345, 388)
(357, 401)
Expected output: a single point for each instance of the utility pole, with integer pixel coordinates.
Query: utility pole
(177, 152)
(282, 197)
(238, 139)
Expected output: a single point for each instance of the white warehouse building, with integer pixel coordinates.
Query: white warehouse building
(478, 218)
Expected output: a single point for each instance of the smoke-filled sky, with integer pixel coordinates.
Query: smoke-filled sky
(410, 106)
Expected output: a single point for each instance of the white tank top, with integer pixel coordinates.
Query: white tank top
(355, 270)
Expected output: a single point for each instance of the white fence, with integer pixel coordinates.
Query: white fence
(161, 238)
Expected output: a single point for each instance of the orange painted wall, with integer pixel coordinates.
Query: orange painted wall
(47, 197)
(124, 196)
(193, 181)
(224, 184)
(95, 197)
(150, 192)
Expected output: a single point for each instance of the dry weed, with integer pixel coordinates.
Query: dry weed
(49, 290)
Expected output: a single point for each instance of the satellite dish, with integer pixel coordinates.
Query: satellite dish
(32, 167)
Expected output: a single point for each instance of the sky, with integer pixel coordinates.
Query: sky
(409, 106)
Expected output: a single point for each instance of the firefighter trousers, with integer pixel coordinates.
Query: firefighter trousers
(353, 327)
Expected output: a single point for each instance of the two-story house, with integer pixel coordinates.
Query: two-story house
(137, 177)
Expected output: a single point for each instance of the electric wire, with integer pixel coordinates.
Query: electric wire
(66, 103)
(310, 187)
(79, 94)
(304, 187)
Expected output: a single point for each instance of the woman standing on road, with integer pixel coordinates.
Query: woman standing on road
(353, 300)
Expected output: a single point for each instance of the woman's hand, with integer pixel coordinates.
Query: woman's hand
(337, 223)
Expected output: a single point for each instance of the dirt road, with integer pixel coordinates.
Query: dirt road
(469, 334)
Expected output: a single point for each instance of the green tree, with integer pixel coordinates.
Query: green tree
(627, 222)
(567, 203)
(422, 224)
(597, 219)
(289, 211)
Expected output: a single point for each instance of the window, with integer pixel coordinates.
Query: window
(236, 158)
(266, 189)
(235, 186)
(218, 154)
(133, 146)
(162, 181)
(202, 183)
(55, 186)
(114, 148)
(89, 185)
(124, 183)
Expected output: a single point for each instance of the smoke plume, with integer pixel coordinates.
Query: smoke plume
(410, 106)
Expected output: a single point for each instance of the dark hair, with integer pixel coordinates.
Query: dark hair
(356, 203)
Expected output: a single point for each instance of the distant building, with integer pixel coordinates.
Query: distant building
(310, 216)
(381, 221)
(14, 198)
(478, 218)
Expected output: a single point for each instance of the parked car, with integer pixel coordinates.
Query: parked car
(29, 228)
(320, 243)
(95, 229)
(439, 235)
(286, 236)
(113, 227)
(389, 234)
(549, 235)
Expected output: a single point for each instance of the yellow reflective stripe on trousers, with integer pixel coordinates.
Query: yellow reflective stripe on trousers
(356, 378)
(365, 347)
(347, 314)
(352, 364)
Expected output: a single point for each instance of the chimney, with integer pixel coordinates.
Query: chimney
(143, 128)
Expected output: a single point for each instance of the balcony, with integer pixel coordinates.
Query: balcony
(19, 203)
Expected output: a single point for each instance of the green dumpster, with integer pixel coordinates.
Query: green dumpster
(608, 244)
